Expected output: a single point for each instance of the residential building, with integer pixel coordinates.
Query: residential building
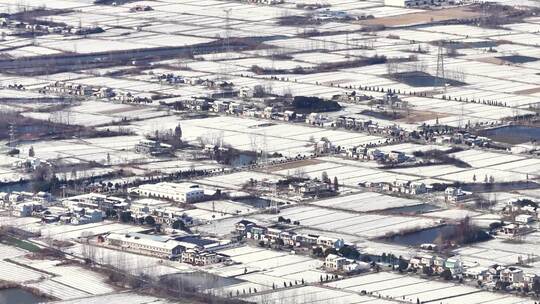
(453, 194)
(455, 265)
(87, 216)
(243, 226)
(524, 219)
(152, 147)
(309, 188)
(334, 262)
(330, 242)
(201, 257)
(512, 275)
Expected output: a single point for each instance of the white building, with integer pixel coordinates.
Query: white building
(524, 219)
(154, 245)
(334, 262)
(183, 192)
(201, 257)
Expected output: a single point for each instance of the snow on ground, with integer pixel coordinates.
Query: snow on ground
(117, 298)
(399, 287)
(365, 225)
(366, 202)
(71, 232)
(315, 294)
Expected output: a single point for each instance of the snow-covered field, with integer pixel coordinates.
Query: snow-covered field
(366, 202)
(399, 287)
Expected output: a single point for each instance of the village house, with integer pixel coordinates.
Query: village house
(245, 92)
(329, 242)
(86, 216)
(454, 265)
(334, 262)
(316, 119)
(455, 195)
(201, 257)
(512, 275)
(196, 103)
(220, 106)
(243, 227)
(309, 188)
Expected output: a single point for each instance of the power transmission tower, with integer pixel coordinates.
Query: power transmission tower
(274, 207)
(264, 151)
(440, 79)
(227, 43)
(12, 135)
(461, 114)
(227, 27)
(347, 45)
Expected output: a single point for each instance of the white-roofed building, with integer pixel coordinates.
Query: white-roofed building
(178, 192)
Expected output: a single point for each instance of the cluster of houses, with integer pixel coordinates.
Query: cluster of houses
(398, 186)
(336, 263)
(171, 78)
(64, 88)
(191, 249)
(326, 15)
(49, 29)
(240, 108)
(462, 137)
(392, 157)
(95, 207)
(29, 164)
(436, 265)
(503, 277)
(265, 2)
(43, 205)
(24, 204)
(162, 213)
(274, 235)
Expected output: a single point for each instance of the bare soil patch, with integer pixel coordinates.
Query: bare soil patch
(294, 165)
(424, 17)
(420, 116)
(528, 91)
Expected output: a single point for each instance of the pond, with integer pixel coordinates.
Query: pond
(19, 296)
(512, 134)
(422, 236)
